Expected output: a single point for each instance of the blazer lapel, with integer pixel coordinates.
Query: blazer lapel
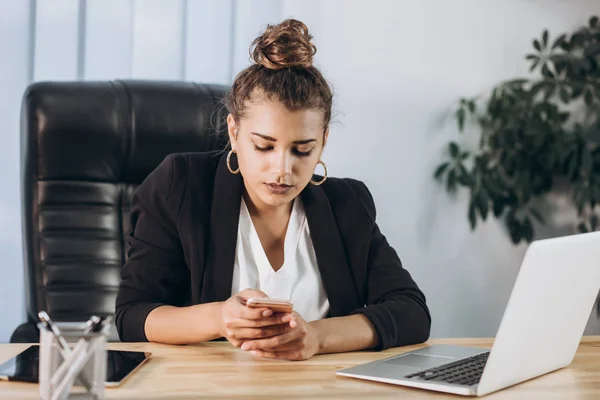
(329, 249)
(225, 212)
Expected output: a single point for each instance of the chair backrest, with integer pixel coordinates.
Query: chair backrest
(85, 148)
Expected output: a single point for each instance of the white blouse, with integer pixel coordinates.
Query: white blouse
(297, 280)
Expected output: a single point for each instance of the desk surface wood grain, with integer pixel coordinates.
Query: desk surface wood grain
(217, 370)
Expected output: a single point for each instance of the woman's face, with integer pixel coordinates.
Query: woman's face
(277, 150)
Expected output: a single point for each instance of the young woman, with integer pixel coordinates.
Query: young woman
(210, 230)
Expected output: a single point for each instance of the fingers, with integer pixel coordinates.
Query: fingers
(242, 312)
(294, 323)
(292, 355)
(248, 293)
(277, 319)
(256, 317)
(245, 334)
(297, 344)
(276, 341)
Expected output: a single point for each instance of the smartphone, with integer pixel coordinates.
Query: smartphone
(277, 305)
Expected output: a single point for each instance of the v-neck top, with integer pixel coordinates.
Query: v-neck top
(298, 279)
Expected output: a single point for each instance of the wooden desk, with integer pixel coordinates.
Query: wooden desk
(217, 370)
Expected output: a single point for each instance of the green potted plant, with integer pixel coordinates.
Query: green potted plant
(534, 133)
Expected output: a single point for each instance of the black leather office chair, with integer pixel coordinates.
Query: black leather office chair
(86, 146)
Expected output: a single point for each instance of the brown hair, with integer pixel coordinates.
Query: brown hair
(282, 70)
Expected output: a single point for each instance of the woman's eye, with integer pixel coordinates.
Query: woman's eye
(295, 151)
(262, 149)
(303, 153)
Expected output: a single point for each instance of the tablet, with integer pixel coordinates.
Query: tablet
(24, 367)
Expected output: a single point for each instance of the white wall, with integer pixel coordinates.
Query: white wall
(14, 75)
(91, 40)
(397, 68)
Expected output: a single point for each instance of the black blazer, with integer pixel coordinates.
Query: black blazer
(184, 221)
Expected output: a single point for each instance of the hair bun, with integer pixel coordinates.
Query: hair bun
(285, 45)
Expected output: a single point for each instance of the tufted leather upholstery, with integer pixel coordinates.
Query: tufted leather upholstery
(85, 147)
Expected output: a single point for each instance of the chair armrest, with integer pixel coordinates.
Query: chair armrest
(26, 333)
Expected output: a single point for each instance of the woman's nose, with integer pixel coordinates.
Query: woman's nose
(283, 164)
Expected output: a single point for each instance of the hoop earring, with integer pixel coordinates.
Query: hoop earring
(324, 176)
(229, 163)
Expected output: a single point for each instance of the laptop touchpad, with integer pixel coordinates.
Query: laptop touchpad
(420, 361)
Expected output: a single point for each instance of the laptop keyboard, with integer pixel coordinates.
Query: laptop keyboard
(466, 371)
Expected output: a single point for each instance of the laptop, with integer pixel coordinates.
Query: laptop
(540, 331)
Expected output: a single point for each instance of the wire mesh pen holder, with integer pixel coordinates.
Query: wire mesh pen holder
(72, 362)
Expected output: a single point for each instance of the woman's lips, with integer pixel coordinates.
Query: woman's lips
(277, 188)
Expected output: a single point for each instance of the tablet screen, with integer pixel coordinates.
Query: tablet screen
(24, 367)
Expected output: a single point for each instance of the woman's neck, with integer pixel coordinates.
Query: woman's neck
(259, 209)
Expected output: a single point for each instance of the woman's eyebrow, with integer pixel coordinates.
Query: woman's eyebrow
(272, 139)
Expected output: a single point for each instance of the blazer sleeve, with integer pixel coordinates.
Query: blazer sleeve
(395, 306)
(155, 272)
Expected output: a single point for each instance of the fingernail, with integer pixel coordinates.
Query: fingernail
(254, 352)
(267, 313)
(245, 346)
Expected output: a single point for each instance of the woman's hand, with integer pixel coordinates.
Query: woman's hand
(240, 323)
(301, 342)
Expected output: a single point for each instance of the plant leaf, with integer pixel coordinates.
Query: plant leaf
(464, 178)
(579, 197)
(483, 203)
(451, 182)
(453, 147)
(577, 89)
(588, 97)
(536, 87)
(559, 41)
(536, 44)
(527, 230)
(460, 118)
(594, 222)
(595, 190)
(545, 38)
(535, 64)
(498, 207)
(564, 95)
(592, 50)
(577, 39)
(441, 169)
(572, 165)
(586, 159)
(516, 82)
(472, 216)
(536, 214)
(546, 72)
(549, 90)
(593, 22)
(514, 228)
(471, 105)
(582, 228)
